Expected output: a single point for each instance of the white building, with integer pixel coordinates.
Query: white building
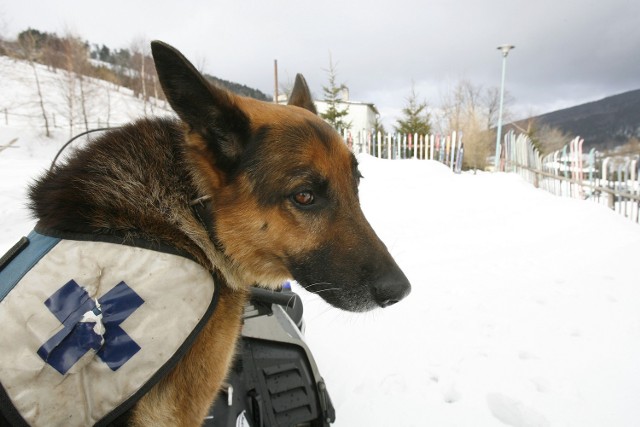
(361, 115)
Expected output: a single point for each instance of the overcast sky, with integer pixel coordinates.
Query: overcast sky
(567, 51)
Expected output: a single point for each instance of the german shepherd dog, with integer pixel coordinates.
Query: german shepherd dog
(280, 190)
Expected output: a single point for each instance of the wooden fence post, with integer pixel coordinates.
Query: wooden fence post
(432, 146)
(453, 148)
(389, 146)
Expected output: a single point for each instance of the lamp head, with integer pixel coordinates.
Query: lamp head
(505, 48)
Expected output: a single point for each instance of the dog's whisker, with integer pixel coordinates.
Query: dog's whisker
(317, 284)
(325, 290)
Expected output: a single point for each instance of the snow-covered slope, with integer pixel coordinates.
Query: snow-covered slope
(21, 117)
(104, 103)
(525, 308)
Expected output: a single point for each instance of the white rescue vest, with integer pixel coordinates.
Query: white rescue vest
(88, 327)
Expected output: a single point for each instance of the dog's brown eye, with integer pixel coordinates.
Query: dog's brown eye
(304, 198)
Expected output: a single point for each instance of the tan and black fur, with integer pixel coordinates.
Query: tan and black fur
(281, 191)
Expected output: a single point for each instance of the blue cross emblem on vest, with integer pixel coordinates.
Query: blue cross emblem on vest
(90, 324)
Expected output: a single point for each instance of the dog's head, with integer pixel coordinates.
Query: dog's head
(284, 190)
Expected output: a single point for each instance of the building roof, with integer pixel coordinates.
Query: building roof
(368, 104)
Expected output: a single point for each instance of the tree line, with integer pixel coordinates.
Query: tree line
(128, 67)
(76, 60)
(70, 58)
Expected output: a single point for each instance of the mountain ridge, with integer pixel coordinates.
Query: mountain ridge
(604, 123)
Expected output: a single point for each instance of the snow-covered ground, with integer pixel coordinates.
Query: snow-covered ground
(525, 309)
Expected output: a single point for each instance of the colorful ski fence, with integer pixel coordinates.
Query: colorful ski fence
(446, 149)
(570, 172)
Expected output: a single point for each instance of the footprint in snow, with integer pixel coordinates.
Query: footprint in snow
(514, 413)
(450, 393)
(526, 355)
(541, 384)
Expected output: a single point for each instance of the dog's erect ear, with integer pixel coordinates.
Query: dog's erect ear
(209, 111)
(300, 95)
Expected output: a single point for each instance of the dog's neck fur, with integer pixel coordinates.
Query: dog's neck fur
(136, 182)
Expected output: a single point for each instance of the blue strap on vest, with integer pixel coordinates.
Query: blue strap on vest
(23, 256)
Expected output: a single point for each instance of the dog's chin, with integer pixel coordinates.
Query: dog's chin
(354, 299)
(352, 306)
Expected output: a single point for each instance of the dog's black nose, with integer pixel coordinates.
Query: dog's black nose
(391, 288)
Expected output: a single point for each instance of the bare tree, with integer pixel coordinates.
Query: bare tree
(67, 84)
(286, 87)
(491, 102)
(472, 110)
(108, 91)
(144, 70)
(152, 76)
(546, 139)
(3, 31)
(630, 148)
(155, 85)
(29, 52)
(82, 85)
(73, 82)
(552, 139)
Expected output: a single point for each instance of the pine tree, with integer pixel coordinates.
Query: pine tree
(336, 113)
(378, 126)
(415, 117)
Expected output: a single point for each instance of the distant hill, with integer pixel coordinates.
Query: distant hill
(238, 88)
(603, 124)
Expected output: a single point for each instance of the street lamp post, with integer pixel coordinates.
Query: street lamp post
(505, 48)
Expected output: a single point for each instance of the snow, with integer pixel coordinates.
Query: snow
(21, 117)
(525, 308)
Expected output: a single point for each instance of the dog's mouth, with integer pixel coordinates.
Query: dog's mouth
(354, 289)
